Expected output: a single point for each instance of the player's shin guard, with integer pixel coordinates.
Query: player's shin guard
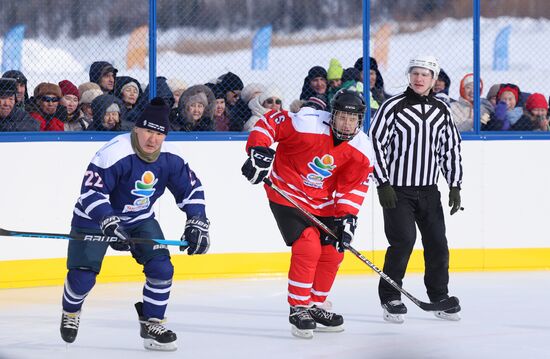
(156, 291)
(77, 286)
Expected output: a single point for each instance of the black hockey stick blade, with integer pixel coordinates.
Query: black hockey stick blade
(446, 304)
(88, 237)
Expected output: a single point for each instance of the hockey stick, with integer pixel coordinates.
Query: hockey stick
(446, 304)
(88, 237)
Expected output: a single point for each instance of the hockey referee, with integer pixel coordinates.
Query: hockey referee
(413, 134)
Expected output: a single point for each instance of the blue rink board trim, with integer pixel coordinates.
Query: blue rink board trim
(91, 136)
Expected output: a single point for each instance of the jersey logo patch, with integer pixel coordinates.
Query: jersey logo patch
(322, 168)
(144, 189)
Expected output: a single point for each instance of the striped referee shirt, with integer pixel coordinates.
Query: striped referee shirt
(412, 136)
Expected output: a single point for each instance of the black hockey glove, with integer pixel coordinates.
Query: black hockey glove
(110, 226)
(387, 196)
(196, 235)
(345, 229)
(454, 199)
(256, 167)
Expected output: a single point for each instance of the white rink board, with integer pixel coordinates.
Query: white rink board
(505, 196)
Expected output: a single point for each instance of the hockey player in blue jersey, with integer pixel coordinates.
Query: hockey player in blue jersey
(120, 186)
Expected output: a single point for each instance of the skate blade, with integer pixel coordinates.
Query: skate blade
(302, 333)
(394, 318)
(151, 344)
(323, 329)
(454, 317)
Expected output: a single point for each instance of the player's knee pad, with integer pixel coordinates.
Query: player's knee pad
(159, 268)
(308, 244)
(81, 280)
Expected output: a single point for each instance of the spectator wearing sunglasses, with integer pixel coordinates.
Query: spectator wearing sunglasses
(21, 94)
(46, 102)
(268, 100)
(13, 118)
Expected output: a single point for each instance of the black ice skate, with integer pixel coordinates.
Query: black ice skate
(69, 326)
(302, 322)
(452, 314)
(155, 335)
(326, 321)
(394, 311)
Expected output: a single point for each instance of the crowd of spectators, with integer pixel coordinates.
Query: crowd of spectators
(109, 102)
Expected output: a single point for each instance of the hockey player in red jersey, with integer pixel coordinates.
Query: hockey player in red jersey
(323, 161)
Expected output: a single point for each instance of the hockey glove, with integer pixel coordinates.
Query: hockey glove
(196, 235)
(345, 229)
(256, 167)
(387, 196)
(454, 199)
(111, 227)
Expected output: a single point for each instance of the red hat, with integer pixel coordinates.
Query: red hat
(466, 80)
(68, 88)
(508, 87)
(536, 100)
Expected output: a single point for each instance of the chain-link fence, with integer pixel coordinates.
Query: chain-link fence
(221, 64)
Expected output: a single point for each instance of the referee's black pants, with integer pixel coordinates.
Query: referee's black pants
(420, 206)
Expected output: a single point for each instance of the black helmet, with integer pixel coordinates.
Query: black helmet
(350, 101)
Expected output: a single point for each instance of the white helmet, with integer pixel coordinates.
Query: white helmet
(425, 61)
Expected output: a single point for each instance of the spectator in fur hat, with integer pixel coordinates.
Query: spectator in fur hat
(103, 74)
(69, 101)
(22, 95)
(107, 111)
(268, 100)
(251, 90)
(195, 110)
(13, 118)
(88, 92)
(46, 100)
(535, 115)
(177, 87)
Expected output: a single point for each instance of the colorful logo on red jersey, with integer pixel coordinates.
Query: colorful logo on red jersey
(322, 168)
(144, 189)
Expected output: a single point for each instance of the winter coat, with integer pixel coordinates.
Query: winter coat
(18, 120)
(206, 122)
(257, 112)
(99, 108)
(463, 114)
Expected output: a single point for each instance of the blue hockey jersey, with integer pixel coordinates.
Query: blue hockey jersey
(118, 182)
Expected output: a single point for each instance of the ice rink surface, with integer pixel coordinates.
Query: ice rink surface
(504, 315)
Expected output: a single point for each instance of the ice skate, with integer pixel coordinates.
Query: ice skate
(69, 326)
(326, 321)
(450, 314)
(155, 335)
(302, 322)
(394, 311)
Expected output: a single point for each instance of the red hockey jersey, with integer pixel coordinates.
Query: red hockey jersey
(328, 180)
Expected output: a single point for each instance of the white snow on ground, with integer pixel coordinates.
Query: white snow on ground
(451, 41)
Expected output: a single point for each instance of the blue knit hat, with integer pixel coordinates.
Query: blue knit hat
(155, 116)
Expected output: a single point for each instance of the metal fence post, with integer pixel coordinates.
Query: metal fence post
(152, 48)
